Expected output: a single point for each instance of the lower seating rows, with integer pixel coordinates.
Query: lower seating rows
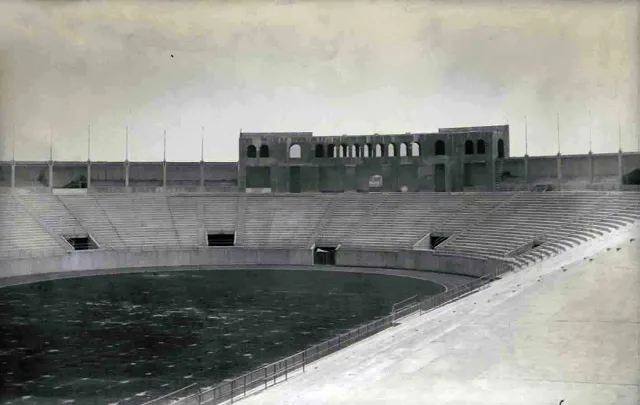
(479, 224)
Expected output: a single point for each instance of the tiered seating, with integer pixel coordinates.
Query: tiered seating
(219, 212)
(283, 220)
(184, 212)
(481, 224)
(345, 214)
(141, 220)
(606, 213)
(530, 216)
(22, 234)
(54, 214)
(475, 209)
(87, 209)
(401, 220)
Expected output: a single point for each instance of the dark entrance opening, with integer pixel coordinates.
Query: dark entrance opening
(81, 242)
(324, 256)
(500, 149)
(294, 179)
(436, 239)
(439, 177)
(220, 239)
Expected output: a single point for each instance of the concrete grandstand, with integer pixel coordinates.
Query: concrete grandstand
(51, 231)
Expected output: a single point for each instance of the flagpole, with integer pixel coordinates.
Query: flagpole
(526, 137)
(558, 129)
(590, 134)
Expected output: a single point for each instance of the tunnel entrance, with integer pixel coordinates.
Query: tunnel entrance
(221, 239)
(81, 242)
(325, 256)
(436, 239)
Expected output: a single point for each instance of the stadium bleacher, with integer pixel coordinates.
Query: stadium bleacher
(525, 227)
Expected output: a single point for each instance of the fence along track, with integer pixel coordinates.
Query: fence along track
(264, 377)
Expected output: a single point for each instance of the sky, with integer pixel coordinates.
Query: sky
(213, 68)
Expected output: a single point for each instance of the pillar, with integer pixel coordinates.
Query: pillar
(590, 167)
(126, 174)
(620, 174)
(13, 174)
(559, 168)
(526, 169)
(164, 175)
(493, 173)
(447, 177)
(51, 175)
(201, 175)
(88, 174)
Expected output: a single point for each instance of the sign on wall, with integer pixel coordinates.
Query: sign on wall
(375, 181)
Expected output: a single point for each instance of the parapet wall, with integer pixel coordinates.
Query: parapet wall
(417, 260)
(90, 261)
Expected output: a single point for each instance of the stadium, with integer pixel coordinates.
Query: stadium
(319, 202)
(535, 263)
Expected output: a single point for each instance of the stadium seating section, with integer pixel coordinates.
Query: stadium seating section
(525, 227)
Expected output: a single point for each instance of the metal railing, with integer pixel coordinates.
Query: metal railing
(264, 377)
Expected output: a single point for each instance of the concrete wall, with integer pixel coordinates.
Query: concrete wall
(605, 165)
(575, 167)
(105, 174)
(424, 260)
(147, 173)
(32, 174)
(67, 172)
(78, 262)
(106, 259)
(5, 175)
(344, 169)
(630, 162)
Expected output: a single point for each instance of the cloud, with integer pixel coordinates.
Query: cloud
(329, 67)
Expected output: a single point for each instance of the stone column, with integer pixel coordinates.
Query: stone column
(447, 176)
(88, 174)
(559, 168)
(493, 173)
(590, 167)
(126, 174)
(620, 174)
(13, 174)
(164, 175)
(201, 175)
(51, 175)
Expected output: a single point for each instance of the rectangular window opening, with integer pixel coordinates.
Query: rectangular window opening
(221, 239)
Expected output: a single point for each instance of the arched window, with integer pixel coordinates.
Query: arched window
(331, 151)
(379, 150)
(319, 151)
(480, 147)
(415, 149)
(439, 148)
(468, 147)
(264, 151)
(355, 150)
(403, 149)
(500, 148)
(295, 152)
(366, 152)
(251, 151)
(391, 150)
(344, 150)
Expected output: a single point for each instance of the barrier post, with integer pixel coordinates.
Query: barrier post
(303, 359)
(245, 385)
(286, 363)
(265, 378)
